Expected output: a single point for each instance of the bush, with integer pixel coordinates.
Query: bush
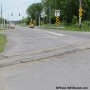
(74, 20)
(2, 42)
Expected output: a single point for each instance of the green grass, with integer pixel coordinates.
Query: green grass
(72, 27)
(75, 27)
(22, 24)
(2, 42)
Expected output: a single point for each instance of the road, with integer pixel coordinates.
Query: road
(36, 59)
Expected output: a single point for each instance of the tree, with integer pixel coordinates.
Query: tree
(69, 9)
(86, 9)
(34, 11)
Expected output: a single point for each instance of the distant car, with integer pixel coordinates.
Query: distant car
(31, 26)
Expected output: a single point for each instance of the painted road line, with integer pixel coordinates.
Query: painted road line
(53, 33)
(57, 34)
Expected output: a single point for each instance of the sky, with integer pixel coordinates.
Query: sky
(15, 7)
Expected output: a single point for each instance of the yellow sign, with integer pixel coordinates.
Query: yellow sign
(57, 20)
(80, 12)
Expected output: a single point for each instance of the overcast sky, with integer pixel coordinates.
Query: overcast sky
(15, 7)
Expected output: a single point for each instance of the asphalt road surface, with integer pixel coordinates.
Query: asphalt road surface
(36, 59)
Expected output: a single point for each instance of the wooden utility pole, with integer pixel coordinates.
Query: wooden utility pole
(49, 11)
(1, 15)
(80, 13)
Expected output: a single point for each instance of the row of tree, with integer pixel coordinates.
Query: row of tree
(69, 10)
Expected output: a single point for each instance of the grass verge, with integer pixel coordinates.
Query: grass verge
(72, 27)
(75, 27)
(3, 40)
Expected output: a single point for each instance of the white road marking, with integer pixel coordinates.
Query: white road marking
(53, 33)
(57, 34)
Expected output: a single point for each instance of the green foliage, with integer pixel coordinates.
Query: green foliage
(69, 10)
(75, 27)
(34, 11)
(85, 27)
(74, 20)
(24, 20)
(2, 42)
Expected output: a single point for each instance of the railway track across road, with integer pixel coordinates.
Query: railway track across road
(38, 59)
(44, 54)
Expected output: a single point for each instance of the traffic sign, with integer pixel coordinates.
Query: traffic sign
(57, 13)
(57, 20)
(80, 12)
(80, 9)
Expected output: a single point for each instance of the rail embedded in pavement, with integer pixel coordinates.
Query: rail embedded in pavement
(48, 53)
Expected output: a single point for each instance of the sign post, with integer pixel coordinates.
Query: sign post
(57, 15)
(80, 13)
(43, 15)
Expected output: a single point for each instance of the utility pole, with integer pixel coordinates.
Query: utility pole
(1, 15)
(49, 12)
(80, 13)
